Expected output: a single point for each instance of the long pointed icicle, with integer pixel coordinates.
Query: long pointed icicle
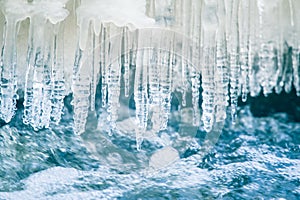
(81, 86)
(58, 91)
(126, 60)
(280, 52)
(195, 79)
(291, 56)
(296, 44)
(234, 60)
(221, 69)
(165, 89)
(94, 72)
(113, 88)
(81, 95)
(154, 86)
(210, 24)
(8, 82)
(113, 94)
(140, 98)
(244, 16)
(103, 64)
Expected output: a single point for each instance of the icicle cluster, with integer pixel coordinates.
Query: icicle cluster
(44, 89)
(231, 49)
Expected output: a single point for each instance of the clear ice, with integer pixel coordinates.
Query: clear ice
(146, 50)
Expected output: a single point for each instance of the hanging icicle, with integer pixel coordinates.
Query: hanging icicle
(8, 83)
(58, 91)
(209, 28)
(234, 59)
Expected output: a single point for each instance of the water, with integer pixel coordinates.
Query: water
(258, 157)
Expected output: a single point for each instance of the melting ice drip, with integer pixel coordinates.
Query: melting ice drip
(152, 48)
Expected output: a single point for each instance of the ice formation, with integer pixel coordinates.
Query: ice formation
(149, 50)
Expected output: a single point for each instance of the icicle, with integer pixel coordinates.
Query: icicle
(195, 34)
(288, 69)
(103, 63)
(153, 78)
(221, 69)
(134, 49)
(244, 16)
(58, 91)
(184, 78)
(296, 53)
(94, 72)
(291, 63)
(81, 93)
(140, 98)
(113, 87)
(234, 60)
(210, 24)
(113, 94)
(254, 86)
(296, 70)
(186, 28)
(8, 82)
(37, 104)
(154, 71)
(280, 53)
(28, 96)
(165, 89)
(195, 79)
(126, 60)
(267, 65)
(81, 85)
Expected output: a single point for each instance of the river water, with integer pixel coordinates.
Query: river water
(258, 158)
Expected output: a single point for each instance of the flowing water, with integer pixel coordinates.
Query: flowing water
(257, 158)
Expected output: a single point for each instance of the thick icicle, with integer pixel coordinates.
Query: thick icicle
(165, 89)
(267, 65)
(81, 92)
(154, 70)
(221, 69)
(8, 84)
(82, 77)
(210, 25)
(37, 104)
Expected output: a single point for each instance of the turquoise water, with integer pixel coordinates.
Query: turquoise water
(257, 158)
